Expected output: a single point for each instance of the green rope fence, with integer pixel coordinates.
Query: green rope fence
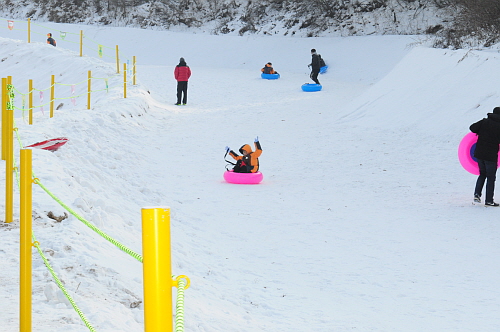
(65, 36)
(36, 244)
(181, 284)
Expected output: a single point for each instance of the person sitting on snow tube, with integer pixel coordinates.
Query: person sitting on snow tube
(268, 69)
(249, 161)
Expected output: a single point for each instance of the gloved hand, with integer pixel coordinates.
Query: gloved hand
(228, 149)
(309, 66)
(256, 139)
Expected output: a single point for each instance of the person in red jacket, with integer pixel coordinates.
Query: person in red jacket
(182, 73)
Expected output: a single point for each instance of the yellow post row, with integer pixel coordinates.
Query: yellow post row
(52, 95)
(157, 269)
(25, 285)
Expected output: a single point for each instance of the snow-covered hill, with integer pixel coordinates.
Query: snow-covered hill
(364, 220)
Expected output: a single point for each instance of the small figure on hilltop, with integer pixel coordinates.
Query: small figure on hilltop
(268, 69)
(182, 73)
(51, 40)
(486, 153)
(315, 65)
(249, 161)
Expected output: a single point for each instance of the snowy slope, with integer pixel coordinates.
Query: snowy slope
(363, 221)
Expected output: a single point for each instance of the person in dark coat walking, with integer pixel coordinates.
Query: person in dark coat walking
(486, 153)
(182, 73)
(315, 66)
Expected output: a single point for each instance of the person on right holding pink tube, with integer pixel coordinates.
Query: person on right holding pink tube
(486, 153)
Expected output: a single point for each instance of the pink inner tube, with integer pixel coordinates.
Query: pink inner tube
(466, 153)
(243, 178)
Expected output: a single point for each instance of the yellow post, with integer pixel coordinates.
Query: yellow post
(29, 30)
(157, 270)
(124, 80)
(133, 70)
(89, 86)
(81, 42)
(9, 165)
(25, 285)
(52, 95)
(4, 117)
(30, 101)
(117, 61)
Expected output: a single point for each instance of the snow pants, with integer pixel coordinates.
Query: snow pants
(314, 77)
(182, 91)
(487, 172)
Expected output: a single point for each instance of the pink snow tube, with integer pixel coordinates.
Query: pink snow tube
(243, 178)
(466, 150)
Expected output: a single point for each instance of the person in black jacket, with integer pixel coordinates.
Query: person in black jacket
(486, 153)
(315, 66)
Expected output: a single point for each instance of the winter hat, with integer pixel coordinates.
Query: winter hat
(313, 50)
(269, 63)
(496, 110)
(182, 60)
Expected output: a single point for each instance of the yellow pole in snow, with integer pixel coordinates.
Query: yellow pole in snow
(25, 285)
(89, 86)
(81, 43)
(30, 101)
(133, 71)
(4, 117)
(117, 61)
(52, 96)
(9, 162)
(157, 269)
(29, 30)
(124, 80)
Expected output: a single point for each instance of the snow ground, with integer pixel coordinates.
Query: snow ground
(364, 220)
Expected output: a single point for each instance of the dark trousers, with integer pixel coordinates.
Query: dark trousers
(240, 167)
(182, 88)
(487, 172)
(314, 77)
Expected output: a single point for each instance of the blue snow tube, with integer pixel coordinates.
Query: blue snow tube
(270, 76)
(323, 69)
(311, 87)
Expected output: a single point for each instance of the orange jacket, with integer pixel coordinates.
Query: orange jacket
(251, 159)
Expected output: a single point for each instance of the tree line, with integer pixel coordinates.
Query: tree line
(466, 20)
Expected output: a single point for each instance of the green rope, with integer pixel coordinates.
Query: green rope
(61, 286)
(46, 262)
(179, 310)
(92, 227)
(181, 284)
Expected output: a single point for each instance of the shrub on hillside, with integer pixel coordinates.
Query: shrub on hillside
(475, 22)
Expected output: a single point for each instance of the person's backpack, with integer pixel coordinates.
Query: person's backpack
(321, 61)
